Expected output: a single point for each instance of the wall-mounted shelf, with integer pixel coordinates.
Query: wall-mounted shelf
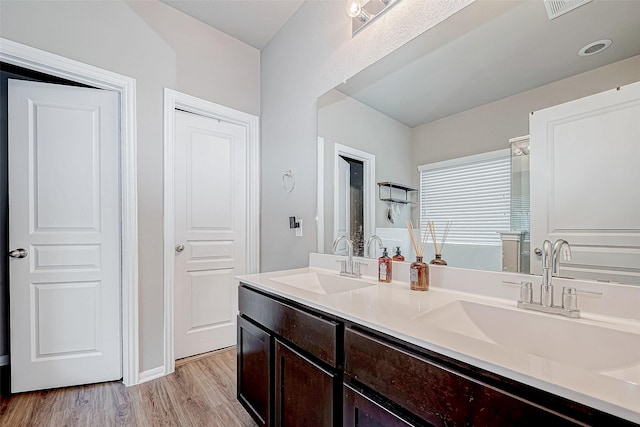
(394, 185)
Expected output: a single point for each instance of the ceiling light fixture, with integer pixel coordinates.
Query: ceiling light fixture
(595, 47)
(354, 10)
(364, 12)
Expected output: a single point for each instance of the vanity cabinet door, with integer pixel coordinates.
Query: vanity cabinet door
(254, 371)
(304, 391)
(360, 411)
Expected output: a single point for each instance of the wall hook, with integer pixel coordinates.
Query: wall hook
(288, 181)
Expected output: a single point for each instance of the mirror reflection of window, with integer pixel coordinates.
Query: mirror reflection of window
(473, 193)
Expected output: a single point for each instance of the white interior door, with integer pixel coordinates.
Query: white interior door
(64, 230)
(342, 191)
(210, 223)
(573, 197)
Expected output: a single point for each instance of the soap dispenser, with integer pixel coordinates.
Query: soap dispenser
(384, 267)
(398, 256)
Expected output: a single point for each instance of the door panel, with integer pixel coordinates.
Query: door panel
(574, 199)
(210, 297)
(210, 211)
(54, 320)
(65, 258)
(64, 198)
(64, 210)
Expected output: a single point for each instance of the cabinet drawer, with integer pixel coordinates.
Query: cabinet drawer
(311, 333)
(433, 392)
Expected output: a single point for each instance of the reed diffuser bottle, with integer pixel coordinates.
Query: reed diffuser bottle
(438, 249)
(419, 275)
(418, 271)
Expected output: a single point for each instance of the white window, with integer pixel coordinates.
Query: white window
(472, 192)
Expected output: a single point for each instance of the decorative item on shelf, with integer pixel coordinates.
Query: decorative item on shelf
(392, 213)
(419, 271)
(438, 249)
(288, 181)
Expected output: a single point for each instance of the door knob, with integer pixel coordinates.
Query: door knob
(18, 253)
(537, 251)
(179, 248)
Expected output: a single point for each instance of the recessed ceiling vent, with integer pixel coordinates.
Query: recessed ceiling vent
(556, 8)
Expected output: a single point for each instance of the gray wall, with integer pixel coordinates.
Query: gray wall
(346, 121)
(489, 127)
(310, 55)
(159, 47)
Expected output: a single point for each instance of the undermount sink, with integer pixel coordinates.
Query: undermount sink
(600, 349)
(322, 283)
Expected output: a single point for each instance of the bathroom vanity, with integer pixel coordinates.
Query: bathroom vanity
(317, 349)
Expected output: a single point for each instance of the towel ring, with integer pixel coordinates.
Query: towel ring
(288, 181)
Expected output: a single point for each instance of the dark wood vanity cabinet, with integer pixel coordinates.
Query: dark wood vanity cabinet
(289, 366)
(301, 367)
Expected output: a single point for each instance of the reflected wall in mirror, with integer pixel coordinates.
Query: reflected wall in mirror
(468, 86)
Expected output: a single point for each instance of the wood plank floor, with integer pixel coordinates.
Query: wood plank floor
(201, 392)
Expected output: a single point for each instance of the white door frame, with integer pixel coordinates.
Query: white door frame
(320, 196)
(55, 65)
(173, 100)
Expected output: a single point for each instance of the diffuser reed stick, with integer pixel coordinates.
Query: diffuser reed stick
(444, 236)
(419, 249)
(432, 230)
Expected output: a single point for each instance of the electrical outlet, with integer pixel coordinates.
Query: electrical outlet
(299, 228)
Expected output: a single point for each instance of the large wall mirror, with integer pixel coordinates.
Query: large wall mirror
(465, 91)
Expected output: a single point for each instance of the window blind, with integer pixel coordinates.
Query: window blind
(472, 192)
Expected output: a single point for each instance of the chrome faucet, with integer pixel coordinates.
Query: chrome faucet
(347, 267)
(569, 305)
(370, 240)
(559, 245)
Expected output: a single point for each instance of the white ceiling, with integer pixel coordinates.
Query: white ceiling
(254, 22)
(491, 50)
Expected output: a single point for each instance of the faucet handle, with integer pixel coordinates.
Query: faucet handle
(356, 267)
(569, 298)
(343, 265)
(526, 292)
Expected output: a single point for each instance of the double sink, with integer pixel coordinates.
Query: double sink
(598, 347)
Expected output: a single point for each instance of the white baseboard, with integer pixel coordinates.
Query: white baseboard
(151, 374)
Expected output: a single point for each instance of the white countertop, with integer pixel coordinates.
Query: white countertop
(395, 310)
